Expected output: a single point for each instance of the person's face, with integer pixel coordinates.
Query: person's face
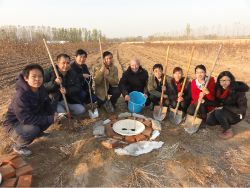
(177, 75)
(200, 74)
(225, 82)
(34, 79)
(108, 59)
(63, 64)
(157, 73)
(81, 59)
(134, 65)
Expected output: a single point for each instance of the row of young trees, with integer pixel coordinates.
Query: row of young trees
(34, 33)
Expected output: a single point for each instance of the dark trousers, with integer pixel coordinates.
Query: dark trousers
(223, 117)
(183, 105)
(156, 100)
(115, 94)
(23, 135)
(85, 97)
(202, 112)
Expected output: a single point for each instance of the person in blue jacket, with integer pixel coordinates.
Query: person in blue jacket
(30, 112)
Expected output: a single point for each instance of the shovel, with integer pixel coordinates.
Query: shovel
(160, 111)
(107, 105)
(176, 115)
(93, 113)
(57, 75)
(192, 123)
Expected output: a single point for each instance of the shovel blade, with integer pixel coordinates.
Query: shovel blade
(176, 119)
(108, 107)
(93, 114)
(192, 125)
(160, 113)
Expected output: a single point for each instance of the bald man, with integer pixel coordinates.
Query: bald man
(135, 78)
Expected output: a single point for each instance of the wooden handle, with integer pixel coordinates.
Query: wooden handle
(105, 83)
(57, 75)
(209, 76)
(164, 77)
(185, 79)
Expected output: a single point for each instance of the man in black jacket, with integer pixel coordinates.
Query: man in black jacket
(135, 78)
(30, 111)
(80, 67)
(71, 86)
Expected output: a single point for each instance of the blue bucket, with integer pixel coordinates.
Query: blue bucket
(136, 102)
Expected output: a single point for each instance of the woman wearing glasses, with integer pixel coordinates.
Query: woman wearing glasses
(230, 102)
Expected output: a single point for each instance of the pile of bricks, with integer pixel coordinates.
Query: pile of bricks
(116, 139)
(15, 171)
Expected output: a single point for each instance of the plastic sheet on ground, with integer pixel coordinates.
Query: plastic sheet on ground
(139, 148)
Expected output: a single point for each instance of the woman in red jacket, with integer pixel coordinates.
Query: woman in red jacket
(198, 91)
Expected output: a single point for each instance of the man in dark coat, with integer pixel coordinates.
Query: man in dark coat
(30, 111)
(81, 68)
(135, 78)
(71, 86)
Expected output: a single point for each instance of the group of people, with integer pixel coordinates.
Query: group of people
(38, 100)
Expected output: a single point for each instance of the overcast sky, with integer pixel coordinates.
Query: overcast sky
(121, 18)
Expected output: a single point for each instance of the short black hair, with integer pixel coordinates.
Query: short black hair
(28, 68)
(177, 69)
(81, 52)
(62, 55)
(157, 66)
(106, 53)
(200, 67)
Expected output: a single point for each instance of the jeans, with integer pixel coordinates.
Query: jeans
(75, 109)
(23, 134)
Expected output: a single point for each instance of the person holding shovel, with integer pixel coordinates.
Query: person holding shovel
(174, 86)
(71, 86)
(155, 86)
(80, 67)
(197, 91)
(135, 78)
(106, 75)
(230, 102)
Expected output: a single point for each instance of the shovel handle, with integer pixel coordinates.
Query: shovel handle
(105, 83)
(185, 79)
(212, 69)
(57, 75)
(164, 77)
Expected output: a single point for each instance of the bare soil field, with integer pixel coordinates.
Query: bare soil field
(73, 157)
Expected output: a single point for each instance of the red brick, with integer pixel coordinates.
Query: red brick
(25, 181)
(147, 123)
(5, 159)
(118, 137)
(140, 137)
(25, 170)
(147, 132)
(9, 182)
(130, 139)
(7, 171)
(111, 143)
(18, 162)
